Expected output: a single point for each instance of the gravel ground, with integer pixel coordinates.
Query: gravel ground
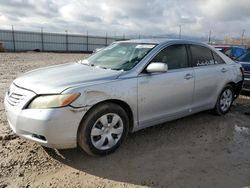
(202, 150)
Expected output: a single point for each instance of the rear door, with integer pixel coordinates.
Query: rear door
(210, 76)
(162, 95)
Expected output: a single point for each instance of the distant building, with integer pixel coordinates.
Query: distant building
(237, 41)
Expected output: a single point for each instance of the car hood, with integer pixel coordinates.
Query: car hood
(57, 78)
(245, 65)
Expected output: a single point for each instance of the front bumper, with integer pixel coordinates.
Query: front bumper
(246, 84)
(54, 128)
(238, 89)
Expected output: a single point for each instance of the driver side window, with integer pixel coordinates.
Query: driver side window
(174, 56)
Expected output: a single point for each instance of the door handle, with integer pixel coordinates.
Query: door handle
(188, 76)
(223, 70)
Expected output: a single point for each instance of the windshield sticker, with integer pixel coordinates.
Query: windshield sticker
(145, 46)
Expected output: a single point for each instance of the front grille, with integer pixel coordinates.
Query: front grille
(18, 97)
(15, 98)
(247, 69)
(247, 74)
(40, 137)
(246, 86)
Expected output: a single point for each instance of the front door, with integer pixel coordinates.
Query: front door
(162, 95)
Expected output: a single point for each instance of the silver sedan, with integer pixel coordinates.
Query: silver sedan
(127, 86)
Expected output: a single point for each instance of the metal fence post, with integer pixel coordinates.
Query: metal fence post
(42, 39)
(13, 38)
(67, 42)
(87, 38)
(106, 40)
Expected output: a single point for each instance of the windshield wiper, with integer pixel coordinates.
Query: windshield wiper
(84, 62)
(93, 65)
(117, 69)
(103, 67)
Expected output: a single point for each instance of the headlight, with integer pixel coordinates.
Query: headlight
(53, 101)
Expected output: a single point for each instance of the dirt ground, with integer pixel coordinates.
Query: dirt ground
(203, 150)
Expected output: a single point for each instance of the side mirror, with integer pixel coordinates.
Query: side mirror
(157, 67)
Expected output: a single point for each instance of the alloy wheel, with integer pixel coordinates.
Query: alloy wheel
(226, 100)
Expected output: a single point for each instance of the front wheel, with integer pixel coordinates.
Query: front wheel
(103, 129)
(225, 100)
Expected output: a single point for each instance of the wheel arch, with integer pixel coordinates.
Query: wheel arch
(237, 88)
(121, 103)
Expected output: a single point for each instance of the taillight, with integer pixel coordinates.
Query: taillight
(242, 70)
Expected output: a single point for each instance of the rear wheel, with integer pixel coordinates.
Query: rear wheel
(225, 100)
(103, 129)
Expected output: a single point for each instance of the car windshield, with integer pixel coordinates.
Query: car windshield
(120, 56)
(244, 58)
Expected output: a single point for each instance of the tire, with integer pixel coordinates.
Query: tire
(103, 129)
(225, 100)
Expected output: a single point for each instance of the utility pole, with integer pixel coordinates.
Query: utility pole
(209, 36)
(179, 31)
(242, 36)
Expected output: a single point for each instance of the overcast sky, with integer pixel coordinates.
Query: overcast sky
(226, 18)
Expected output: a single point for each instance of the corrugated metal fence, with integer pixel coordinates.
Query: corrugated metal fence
(15, 41)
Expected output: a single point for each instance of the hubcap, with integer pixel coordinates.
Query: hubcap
(226, 100)
(107, 131)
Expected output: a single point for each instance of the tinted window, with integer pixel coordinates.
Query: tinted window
(245, 57)
(236, 52)
(174, 56)
(218, 59)
(202, 56)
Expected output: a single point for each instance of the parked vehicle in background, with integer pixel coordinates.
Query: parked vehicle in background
(127, 86)
(244, 60)
(231, 51)
(221, 48)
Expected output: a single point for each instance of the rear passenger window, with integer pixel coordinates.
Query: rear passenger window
(218, 59)
(174, 56)
(202, 56)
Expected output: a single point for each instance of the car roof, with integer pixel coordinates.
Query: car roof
(227, 46)
(221, 46)
(161, 41)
